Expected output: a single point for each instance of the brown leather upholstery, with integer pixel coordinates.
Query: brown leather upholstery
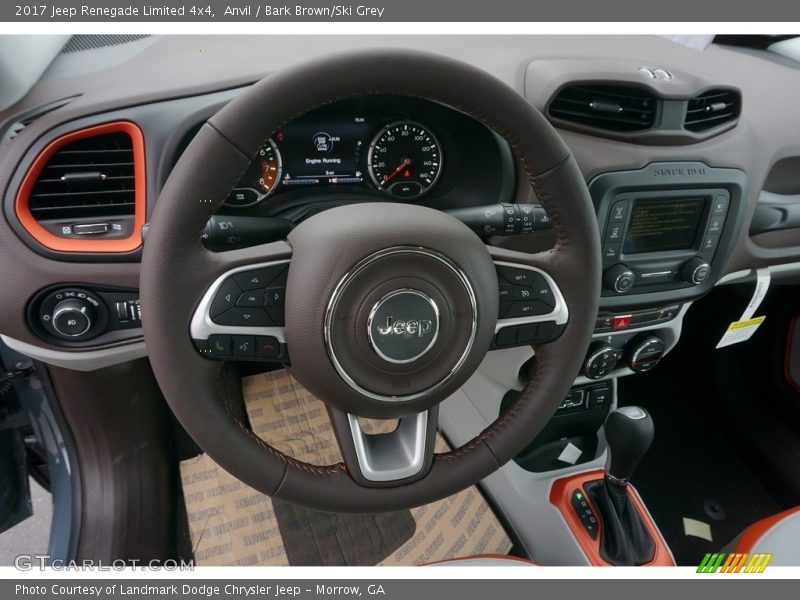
(176, 270)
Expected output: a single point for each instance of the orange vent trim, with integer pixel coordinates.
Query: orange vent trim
(59, 244)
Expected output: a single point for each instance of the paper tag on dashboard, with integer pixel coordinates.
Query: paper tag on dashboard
(743, 329)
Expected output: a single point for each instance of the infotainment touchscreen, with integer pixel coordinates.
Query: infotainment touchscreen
(658, 225)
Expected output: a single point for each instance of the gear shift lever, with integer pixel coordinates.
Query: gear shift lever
(624, 538)
(629, 433)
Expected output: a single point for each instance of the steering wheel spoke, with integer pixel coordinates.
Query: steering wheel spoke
(532, 309)
(241, 316)
(381, 459)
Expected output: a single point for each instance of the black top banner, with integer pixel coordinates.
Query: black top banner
(711, 11)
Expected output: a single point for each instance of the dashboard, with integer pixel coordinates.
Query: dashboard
(678, 147)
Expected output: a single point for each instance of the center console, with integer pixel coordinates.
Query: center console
(666, 231)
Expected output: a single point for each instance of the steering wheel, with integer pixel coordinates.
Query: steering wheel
(389, 308)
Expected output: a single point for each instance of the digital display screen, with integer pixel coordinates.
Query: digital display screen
(322, 150)
(658, 225)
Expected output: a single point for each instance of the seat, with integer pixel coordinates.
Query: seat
(777, 535)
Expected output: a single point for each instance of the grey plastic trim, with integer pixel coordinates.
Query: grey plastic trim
(202, 326)
(783, 270)
(559, 314)
(391, 456)
(521, 497)
(81, 360)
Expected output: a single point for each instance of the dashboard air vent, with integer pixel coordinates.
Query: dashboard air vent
(611, 107)
(85, 191)
(92, 176)
(712, 109)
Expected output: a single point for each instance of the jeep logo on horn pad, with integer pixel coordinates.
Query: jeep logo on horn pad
(403, 325)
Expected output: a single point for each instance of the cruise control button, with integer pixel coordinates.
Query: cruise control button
(225, 298)
(506, 292)
(523, 292)
(527, 308)
(251, 298)
(257, 278)
(517, 276)
(268, 347)
(244, 317)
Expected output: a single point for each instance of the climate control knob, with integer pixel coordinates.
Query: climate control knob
(695, 270)
(73, 317)
(600, 360)
(645, 352)
(618, 278)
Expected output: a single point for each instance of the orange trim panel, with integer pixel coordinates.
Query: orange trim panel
(757, 530)
(54, 242)
(560, 496)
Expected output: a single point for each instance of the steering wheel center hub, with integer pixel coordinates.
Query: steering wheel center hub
(400, 306)
(403, 325)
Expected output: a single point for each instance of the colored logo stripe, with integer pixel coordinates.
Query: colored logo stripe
(734, 562)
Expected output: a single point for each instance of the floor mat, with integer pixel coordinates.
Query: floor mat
(692, 471)
(232, 524)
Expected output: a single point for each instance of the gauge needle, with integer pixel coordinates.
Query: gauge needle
(406, 162)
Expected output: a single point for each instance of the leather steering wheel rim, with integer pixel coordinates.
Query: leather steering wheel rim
(177, 270)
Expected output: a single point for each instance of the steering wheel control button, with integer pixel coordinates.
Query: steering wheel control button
(600, 360)
(275, 296)
(219, 346)
(267, 347)
(523, 292)
(225, 298)
(403, 325)
(529, 293)
(244, 317)
(527, 308)
(251, 299)
(258, 278)
(244, 345)
(645, 353)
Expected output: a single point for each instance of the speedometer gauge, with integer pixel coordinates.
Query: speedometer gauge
(405, 159)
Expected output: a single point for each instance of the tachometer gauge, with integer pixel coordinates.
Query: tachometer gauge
(260, 179)
(405, 159)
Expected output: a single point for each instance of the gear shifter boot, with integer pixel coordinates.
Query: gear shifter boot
(624, 538)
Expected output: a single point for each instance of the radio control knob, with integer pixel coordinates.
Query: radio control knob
(618, 278)
(695, 270)
(600, 360)
(72, 317)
